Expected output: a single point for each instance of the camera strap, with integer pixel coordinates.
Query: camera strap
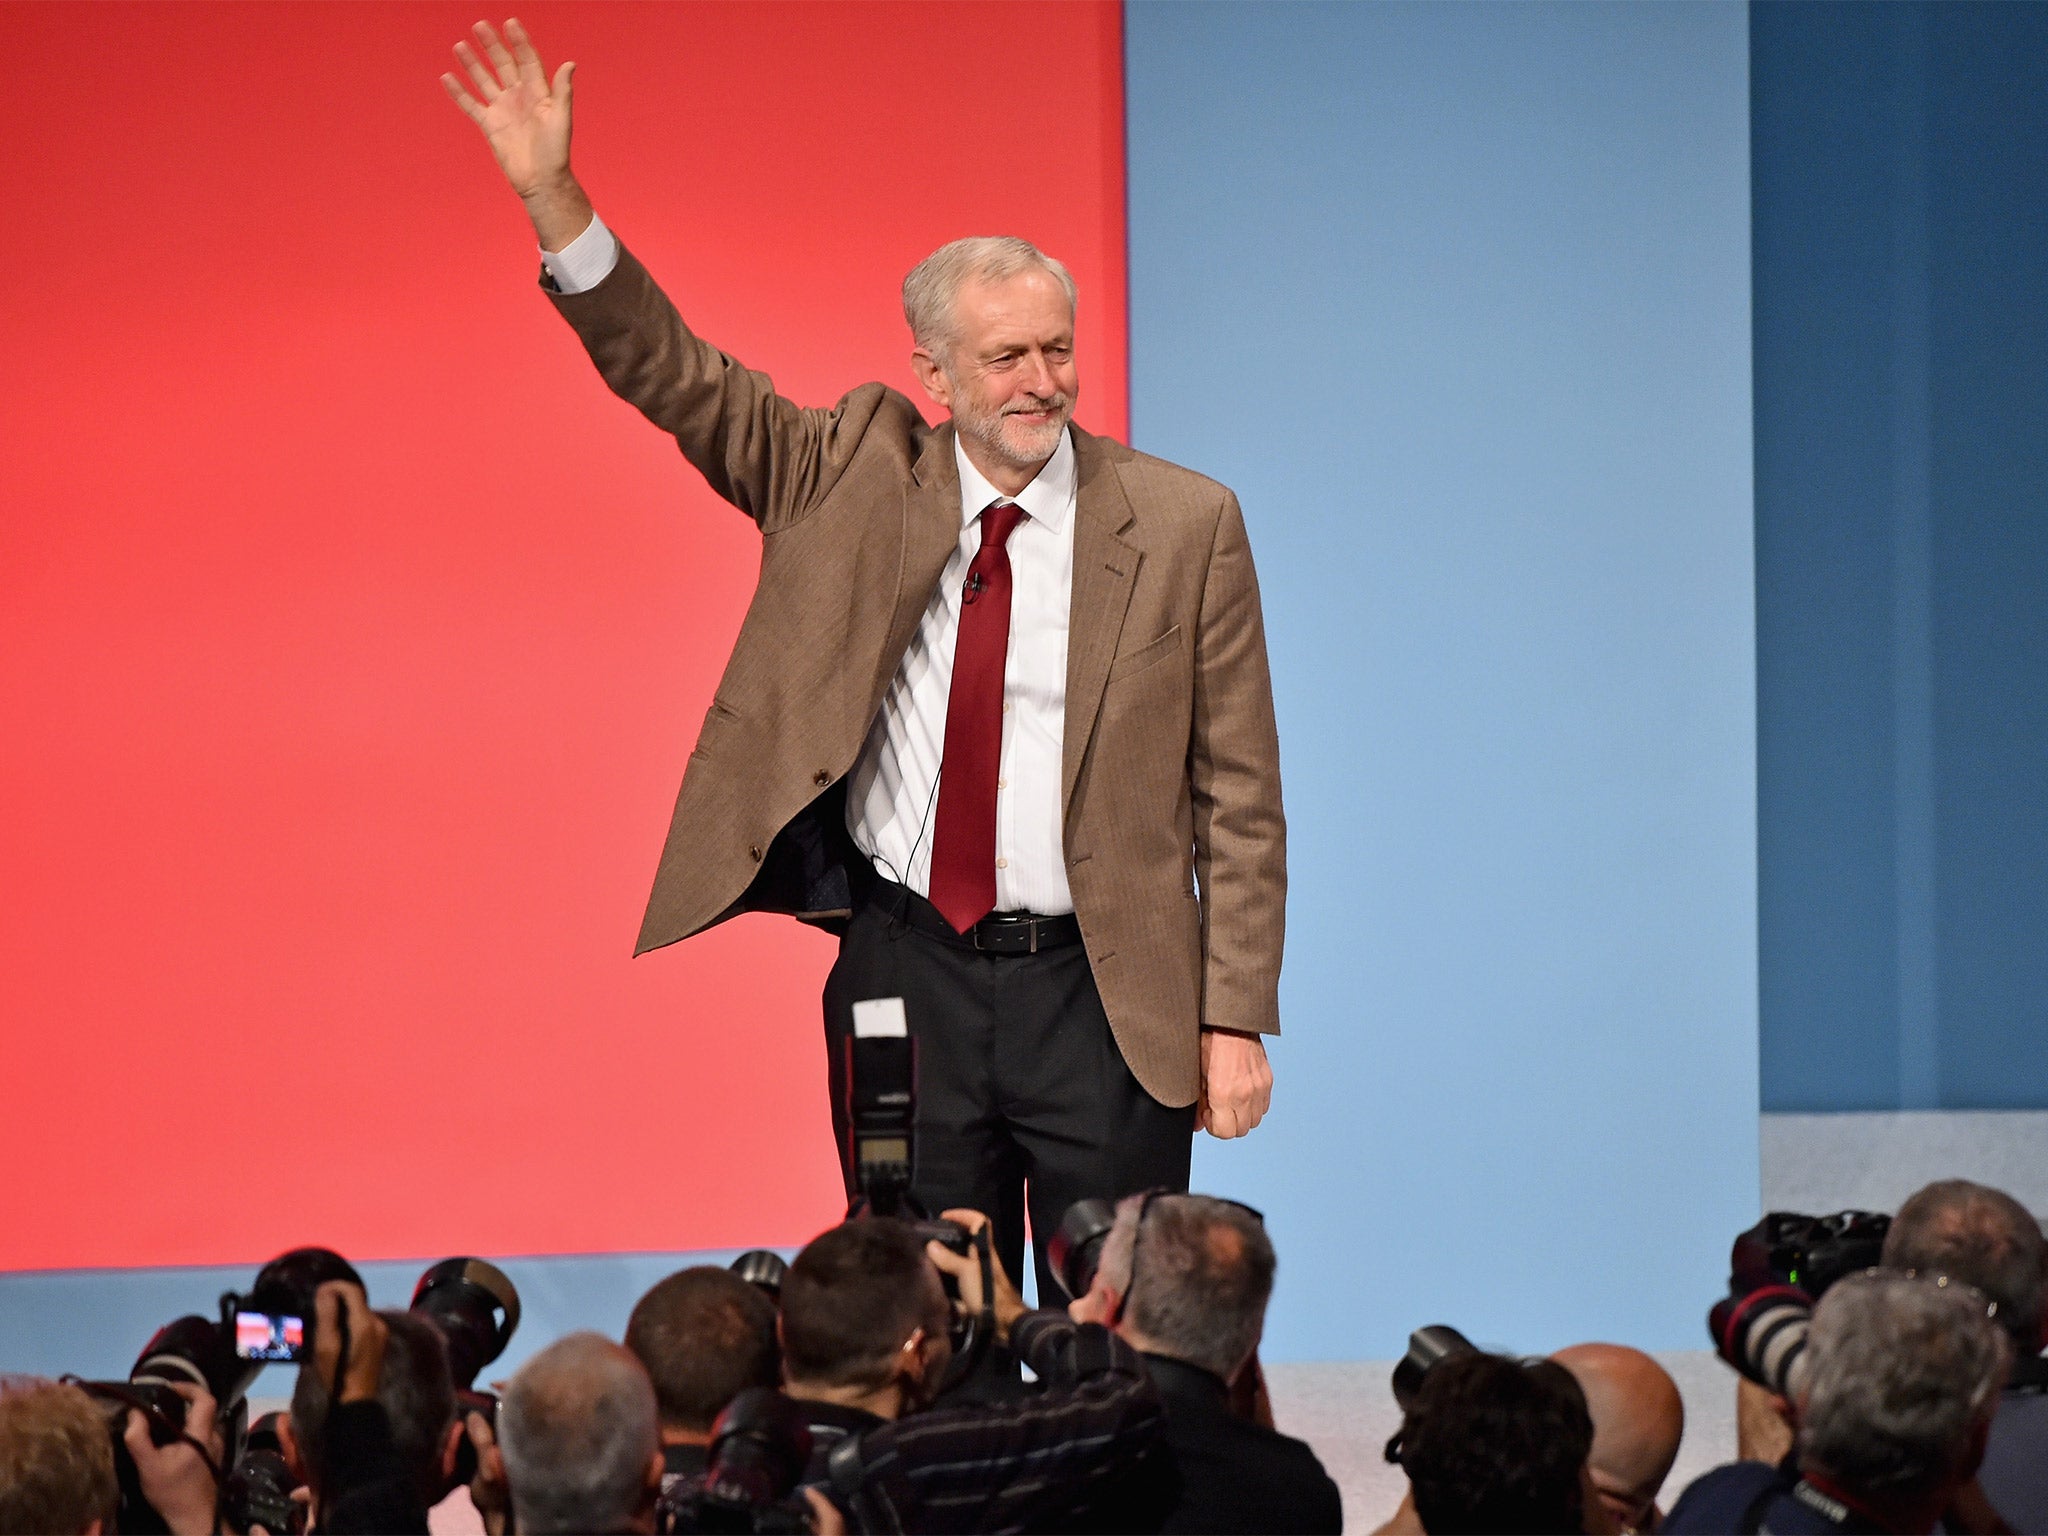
(1789, 1484)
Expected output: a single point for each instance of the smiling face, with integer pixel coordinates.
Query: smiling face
(1006, 373)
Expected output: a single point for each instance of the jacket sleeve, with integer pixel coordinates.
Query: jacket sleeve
(1035, 1464)
(772, 459)
(1234, 781)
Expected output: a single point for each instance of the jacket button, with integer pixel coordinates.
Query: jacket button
(822, 777)
(754, 852)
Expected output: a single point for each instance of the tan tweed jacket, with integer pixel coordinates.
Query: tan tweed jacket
(1171, 782)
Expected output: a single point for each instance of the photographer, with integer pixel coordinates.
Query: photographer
(377, 1447)
(1985, 1238)
(56, 1462)
(1185, 1279)
(581, 1440)
(60, 1470)
(1055, 1459)
(704, 1336)
(1638, 1421)
(1492, 1444)
(865, 1330)
(1893, 1408)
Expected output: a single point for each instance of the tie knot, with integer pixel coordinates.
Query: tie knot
(999, 519)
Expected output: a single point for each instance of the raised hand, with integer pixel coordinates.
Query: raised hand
(523, 118)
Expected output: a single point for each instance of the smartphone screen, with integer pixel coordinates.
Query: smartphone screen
(269, 1336)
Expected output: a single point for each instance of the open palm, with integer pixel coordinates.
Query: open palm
(522, 115)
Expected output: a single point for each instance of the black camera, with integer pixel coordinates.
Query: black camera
(1075, 1250)
(764, 1269)
(1778, 1270)
(1811, 1252)
(161, 1408)
(760, 1445)
(274, 1322)
(164, 1412)
(192, 1351)
(1426, 1347)
(223, 1356)
(258, 1491)
(474, 1306)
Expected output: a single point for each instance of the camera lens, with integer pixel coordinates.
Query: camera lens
(1426, 1346)
(1075, 1252)
(475, 1306)
(196, 1352)
(763, 1268)
(759, 1447)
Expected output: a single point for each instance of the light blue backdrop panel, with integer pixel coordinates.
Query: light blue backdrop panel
(1456, 297)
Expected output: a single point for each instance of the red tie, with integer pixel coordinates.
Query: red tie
(963, 883)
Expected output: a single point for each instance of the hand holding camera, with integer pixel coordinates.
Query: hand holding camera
(348, 1341)
(489, 1490)
(181, 1479)
(964, 1269)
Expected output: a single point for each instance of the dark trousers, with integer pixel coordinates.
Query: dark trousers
(1023, 1097)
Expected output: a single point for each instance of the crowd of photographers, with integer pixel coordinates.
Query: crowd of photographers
(891, 1379)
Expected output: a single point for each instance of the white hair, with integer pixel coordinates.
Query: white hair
(1203, 1274)
(578, 1427)
(1900, 1369)
(934, 284)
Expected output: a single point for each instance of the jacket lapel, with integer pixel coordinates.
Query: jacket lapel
(931, 530)
(1105, 569)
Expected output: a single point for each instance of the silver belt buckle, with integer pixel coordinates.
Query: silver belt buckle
(1030, 937)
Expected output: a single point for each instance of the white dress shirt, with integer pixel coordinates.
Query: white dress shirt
(892, 793)
(585, 261)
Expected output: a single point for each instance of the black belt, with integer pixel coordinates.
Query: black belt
(1000, 933)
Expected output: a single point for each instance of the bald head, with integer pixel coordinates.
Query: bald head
(1638, 1418)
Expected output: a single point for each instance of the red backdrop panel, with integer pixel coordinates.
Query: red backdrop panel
(352, 637)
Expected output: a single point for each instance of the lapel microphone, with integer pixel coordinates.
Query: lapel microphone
(976, 585)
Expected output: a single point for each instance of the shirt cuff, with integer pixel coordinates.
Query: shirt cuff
(585, 261)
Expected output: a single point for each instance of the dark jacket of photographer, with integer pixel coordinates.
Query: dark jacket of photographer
(367, 1488)
(1053, 1461)
(1228, 1474)
(2014, 1475)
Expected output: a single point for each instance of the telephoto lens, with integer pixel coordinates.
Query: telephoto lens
(1763, 1335)
(194, 1351)
(760, 1445)
(1075, 1251)
(1426, 1346)
(475, 1307)
(762, 1268)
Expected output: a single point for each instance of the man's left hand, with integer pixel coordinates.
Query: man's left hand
(1237, 1083)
